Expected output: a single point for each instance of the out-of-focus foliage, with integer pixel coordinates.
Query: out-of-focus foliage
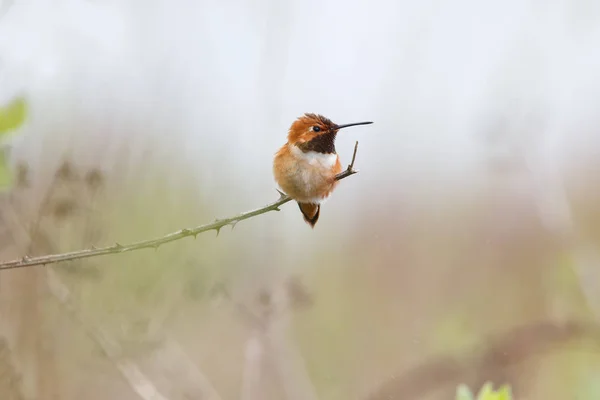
(487, 392)
(12, 115)
(5, 175)
(11, 118)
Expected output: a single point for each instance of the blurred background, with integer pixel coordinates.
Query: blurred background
(465, 250)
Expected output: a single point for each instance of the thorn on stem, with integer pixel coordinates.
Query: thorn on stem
(186, 232)
(218, 229)
(282, 196)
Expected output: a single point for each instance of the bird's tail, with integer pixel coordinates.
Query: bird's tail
(310, 211)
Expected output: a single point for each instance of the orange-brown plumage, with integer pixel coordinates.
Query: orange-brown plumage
(306, 166)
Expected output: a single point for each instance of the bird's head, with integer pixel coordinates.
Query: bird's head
(314, 132)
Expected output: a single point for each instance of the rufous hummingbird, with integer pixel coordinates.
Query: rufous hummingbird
(305, 168)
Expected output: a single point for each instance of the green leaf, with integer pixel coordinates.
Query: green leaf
(12, 115)
(504, 393)
(487, 392)
(5, 173)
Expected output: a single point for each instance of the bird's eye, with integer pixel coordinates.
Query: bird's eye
(316, 128)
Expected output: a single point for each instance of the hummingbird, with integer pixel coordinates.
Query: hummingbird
(306, 166)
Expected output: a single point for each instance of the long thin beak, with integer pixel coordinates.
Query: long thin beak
(353, 124)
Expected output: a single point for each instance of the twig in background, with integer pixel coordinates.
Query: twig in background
(269, 341)
(284, 353)
(171, 237)
(169, 361)
(480, 365)
(251, 375)
(130, 371)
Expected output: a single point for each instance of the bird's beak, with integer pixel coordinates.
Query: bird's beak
(353, 124)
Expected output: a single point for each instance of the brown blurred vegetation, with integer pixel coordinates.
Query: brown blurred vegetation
(425, 292)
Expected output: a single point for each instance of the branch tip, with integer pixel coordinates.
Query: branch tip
(351, 166)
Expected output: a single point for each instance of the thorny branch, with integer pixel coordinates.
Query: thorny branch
(27, 261)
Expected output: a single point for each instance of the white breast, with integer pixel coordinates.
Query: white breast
(314, 158)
